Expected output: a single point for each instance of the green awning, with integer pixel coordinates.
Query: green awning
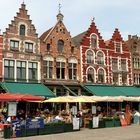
(104, 90)
(129, 90)
(27, 88)
(109, 90)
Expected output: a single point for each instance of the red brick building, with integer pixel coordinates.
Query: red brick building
(119, 56)
(103, 62)
(60, 60)
(94, 61)
(21, 50)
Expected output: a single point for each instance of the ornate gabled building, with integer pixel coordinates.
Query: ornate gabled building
(133, 43)
(21, 50)
(60, 60)
(120, 70)
(102, 62)
(94, 56)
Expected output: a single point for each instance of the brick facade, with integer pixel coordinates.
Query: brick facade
(21, 49)
(120, 71)
(60, 59)
(98, 58)
(133, 44)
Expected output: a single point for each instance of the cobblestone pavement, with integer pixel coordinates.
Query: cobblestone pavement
(119, 133)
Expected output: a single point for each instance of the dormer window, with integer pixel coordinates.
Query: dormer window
(118, 47)
(28, 47)
(14, 45)
(93, 41)
(60, 46)
(22, 29)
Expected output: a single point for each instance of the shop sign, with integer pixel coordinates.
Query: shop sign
(34, 123)
(93, 109)
(76, 123)
(95, 122)
(74, 110)
(12, 108)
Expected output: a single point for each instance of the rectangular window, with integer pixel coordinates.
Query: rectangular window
(115, 78)
(48, 69)
(14, 45)
(21, 70)
(72, 71)
(114, 64)
(118, 47)
(33, 71)
(28, 47)
(60, 70)
(124, 78)
(9, 69)
(123, 65)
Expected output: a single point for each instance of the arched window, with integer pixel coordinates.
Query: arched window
(93, 41)
(22, 29)
(60, 46)
(90, 75)
(101, 76)
(100, 58)
(90, 58)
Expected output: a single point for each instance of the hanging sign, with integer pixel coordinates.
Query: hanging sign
(74, 110)
(93, 109)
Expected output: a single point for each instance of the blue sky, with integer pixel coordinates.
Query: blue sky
(109, 14)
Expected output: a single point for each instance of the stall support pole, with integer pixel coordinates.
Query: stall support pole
(107, 108)
(139, 107)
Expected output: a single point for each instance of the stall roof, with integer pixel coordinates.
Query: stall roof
(27, 88)
(109, 90)
(129, 90)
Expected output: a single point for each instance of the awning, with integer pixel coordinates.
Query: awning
(104, 90)
(109, 90)
(37, 89)
(129, 90)
(20, 97)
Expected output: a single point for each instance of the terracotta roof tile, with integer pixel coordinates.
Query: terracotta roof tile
(43, 36)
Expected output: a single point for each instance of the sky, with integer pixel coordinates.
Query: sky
(108, 14)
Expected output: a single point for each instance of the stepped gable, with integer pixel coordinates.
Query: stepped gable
(22, 17)
(84, 38)
(118, 38)
(92, 29)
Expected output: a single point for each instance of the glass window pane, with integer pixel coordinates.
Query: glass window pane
(6, 72)
(34, 65)
(30, 65)
(18, 64)
(23, 64)
(6, 63)
(11, 63)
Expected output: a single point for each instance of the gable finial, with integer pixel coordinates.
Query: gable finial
(93, 19)
(23, 2)
(59, 8)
